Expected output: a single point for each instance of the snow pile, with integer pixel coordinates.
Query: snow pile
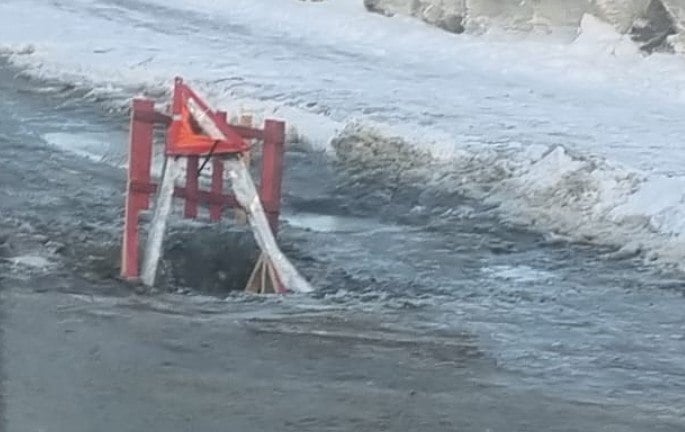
(654, 24)
(569, 196)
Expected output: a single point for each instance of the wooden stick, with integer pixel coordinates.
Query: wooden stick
(153, 246)
(240, 215)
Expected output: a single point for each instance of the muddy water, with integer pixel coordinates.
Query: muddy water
(567, 320)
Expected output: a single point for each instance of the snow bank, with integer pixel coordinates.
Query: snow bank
(580, 139)
(654, 24)
(566, 196)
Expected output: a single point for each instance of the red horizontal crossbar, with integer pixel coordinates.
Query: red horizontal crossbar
(203, 197)
(248, 132)
(152, 117)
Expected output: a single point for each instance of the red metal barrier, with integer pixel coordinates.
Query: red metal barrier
(140, 185)
(139, 163)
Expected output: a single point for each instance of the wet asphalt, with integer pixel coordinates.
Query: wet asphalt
(430, 313)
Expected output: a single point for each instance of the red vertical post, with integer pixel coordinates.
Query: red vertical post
(217, 177)
(272, 170)
(139, 162)
(215, 210)
(192, 187)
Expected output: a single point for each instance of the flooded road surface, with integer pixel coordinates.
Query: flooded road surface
(430, 313)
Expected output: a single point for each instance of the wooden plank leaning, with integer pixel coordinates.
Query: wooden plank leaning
(246, 194)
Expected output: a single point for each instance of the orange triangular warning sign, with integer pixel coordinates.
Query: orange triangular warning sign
(189, 135)
(185, 137)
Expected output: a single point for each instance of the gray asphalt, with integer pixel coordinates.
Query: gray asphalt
(78, 363)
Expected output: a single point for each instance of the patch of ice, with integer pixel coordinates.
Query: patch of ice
(661, 200)
(334, 223)
(90, 146)
(30, 261)
(518, 274)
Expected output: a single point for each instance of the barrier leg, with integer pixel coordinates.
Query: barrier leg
(139, 161)
(246, 120)
(272, 170)
(192, 187)
(215, 210)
